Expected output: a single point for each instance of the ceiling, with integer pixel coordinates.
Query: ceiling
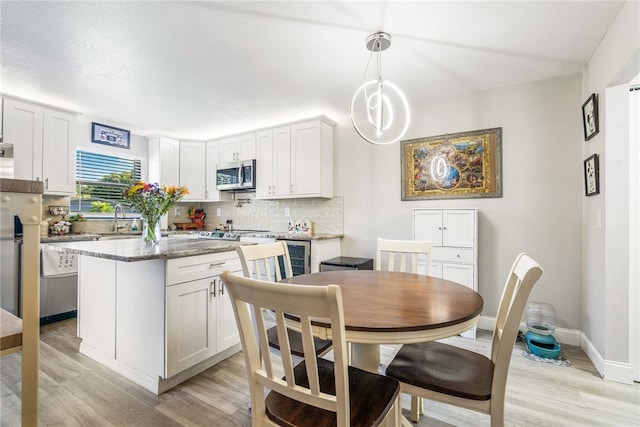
(198, 70)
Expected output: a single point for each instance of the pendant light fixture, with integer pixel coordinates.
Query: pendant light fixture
(379, 110)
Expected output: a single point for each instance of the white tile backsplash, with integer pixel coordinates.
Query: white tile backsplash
(326, 214)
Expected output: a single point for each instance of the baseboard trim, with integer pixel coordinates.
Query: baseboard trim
(609, 370)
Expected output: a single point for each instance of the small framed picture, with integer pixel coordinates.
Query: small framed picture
(108, 135)
(591, 176)
(590, 117)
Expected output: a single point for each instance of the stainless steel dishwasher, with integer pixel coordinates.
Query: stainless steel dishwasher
(58, 285)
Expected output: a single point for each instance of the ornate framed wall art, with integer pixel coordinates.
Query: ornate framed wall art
(453, 166)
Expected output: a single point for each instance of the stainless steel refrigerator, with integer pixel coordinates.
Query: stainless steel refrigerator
(10, 256)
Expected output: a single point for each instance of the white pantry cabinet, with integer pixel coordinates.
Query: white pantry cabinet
(192, 169)
(239, 147)
(44, 141)
(296, 160)
(454, 233)
(200, 318)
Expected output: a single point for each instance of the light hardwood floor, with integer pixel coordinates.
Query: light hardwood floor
(76, 391)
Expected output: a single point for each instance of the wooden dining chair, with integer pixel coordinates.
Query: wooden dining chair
(452, 375)
(402, 255)
(271, 262)
(317, 392)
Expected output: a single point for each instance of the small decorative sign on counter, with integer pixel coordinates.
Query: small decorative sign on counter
(304, 227)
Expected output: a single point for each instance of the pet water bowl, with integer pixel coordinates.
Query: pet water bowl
(542, 345)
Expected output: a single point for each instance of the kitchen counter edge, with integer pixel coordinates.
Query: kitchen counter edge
(131, 250)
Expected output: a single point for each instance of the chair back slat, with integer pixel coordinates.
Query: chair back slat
(405, 253)
(306, 302)
(524, 274)
(262, 262)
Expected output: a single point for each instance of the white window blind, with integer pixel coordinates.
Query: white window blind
(101, 180)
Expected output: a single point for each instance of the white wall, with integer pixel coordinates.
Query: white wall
(605, 250)
(539, 213)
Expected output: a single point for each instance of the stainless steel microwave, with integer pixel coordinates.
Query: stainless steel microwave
(236, 175)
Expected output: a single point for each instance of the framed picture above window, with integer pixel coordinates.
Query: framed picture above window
(591, 176)
(107, 135)
(590, 117)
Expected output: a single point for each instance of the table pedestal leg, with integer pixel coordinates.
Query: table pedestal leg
(365, 356)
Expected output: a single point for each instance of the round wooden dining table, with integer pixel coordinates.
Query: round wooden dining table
(382, 307)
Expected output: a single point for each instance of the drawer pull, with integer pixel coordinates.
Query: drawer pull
(216, 264)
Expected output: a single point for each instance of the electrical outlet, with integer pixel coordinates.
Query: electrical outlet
(176, 211)
(218, 212)
(287, 211)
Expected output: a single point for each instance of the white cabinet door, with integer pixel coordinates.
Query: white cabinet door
(191, 336)
(312, 159)
(246, 146)
(458, 228)
(226, 326)
(459, 273)
(281, 161)
(58, 152)
(164, 160)
(23, 128)
(428, 225)
(306, 158)
(97, 302)
(240, 147)
(228, 150)
(264, 163)
(192, 169)
(273, 162)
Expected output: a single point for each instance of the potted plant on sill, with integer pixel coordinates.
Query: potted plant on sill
(78, 223)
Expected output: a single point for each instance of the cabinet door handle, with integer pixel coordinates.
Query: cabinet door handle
(46, 183)
(444, 228)
(212, 288)
(221, 288)
(216, 264)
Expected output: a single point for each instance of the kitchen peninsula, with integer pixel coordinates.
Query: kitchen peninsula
(156, 315)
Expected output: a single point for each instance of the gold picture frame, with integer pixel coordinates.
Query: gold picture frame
(453, 166)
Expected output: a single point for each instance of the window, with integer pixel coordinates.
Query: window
(101, 180)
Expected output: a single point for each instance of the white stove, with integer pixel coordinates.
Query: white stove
(218, 235)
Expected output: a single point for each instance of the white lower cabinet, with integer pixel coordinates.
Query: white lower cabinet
(200, 319)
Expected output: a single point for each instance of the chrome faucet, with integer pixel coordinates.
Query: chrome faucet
(117, 227)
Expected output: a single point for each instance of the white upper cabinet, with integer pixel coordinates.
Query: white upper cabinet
(44, 141)
(193, 169)
(312, 159)
(239, 147)
(273, 162)
(296, 160)
(164, 160)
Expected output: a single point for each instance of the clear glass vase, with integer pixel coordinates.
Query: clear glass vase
(151, 232)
